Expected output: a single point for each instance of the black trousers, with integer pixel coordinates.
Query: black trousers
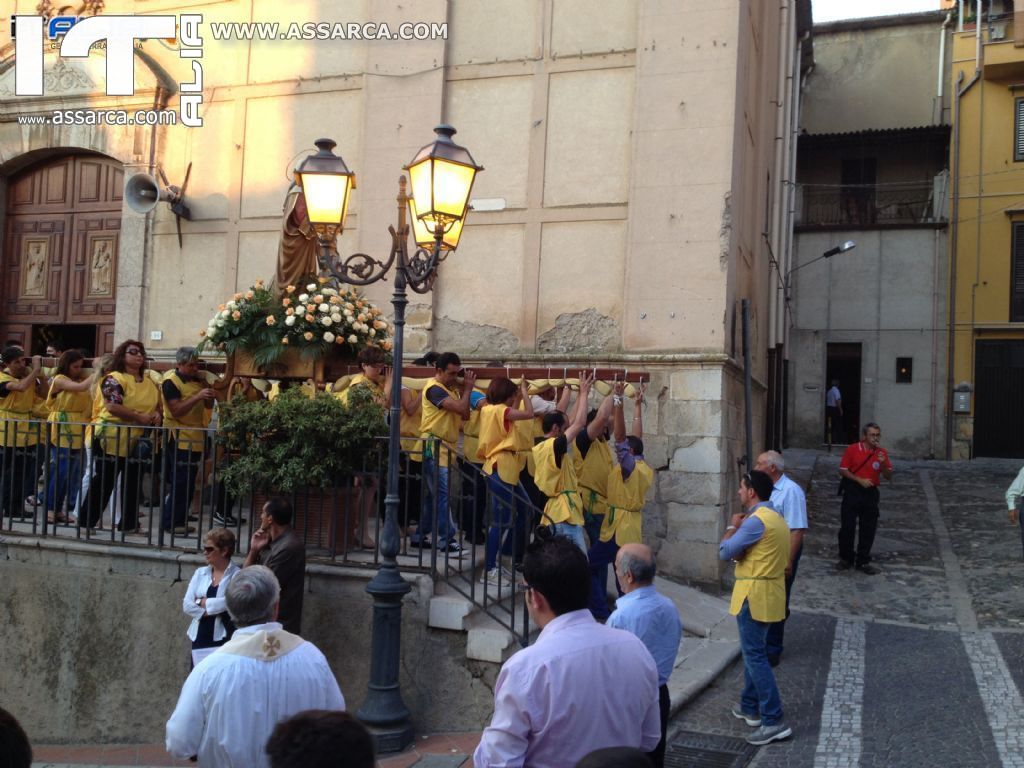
(860, 507)
(107, 470)
(838, 434)
(17, 478)
(664, 701)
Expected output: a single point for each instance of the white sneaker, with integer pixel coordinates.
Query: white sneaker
(497, 577)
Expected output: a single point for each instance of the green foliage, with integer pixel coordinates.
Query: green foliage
(295, 441)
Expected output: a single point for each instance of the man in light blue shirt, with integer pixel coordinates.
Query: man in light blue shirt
(651, 617)
(789, 500)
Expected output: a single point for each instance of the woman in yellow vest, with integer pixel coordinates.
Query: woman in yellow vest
(18, 436)
(627, 484)
(503, 449)
(121, 440)
(555, 469)
(70, 407)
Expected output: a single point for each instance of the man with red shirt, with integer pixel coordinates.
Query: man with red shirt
(862, 465)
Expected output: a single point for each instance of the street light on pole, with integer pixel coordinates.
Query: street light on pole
(442, 175)
(849, 245)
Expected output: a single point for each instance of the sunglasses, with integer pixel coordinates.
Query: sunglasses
(208, 550)
(133, 351)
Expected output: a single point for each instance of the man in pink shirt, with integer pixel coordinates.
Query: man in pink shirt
(581, 686)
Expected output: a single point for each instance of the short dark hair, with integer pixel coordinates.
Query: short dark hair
(11, 353)
(428, 359)
(370, 356)
(280, 510)
(500, 390)
(445, 359)
(15, 749)
(558, 569)
(760, 483)
(552, 419)
(870, 425)
(636, 445)
(320, 738)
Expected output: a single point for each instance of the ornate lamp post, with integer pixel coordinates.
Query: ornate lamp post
(442, 176)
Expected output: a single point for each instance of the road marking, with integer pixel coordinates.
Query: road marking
(1003, 704)
(959, 595)
(841, 713)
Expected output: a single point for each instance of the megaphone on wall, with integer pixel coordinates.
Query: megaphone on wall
(142, 193)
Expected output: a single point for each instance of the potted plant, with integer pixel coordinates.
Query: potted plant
(308, 448)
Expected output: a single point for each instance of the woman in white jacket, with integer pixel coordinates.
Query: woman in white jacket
(204, 601)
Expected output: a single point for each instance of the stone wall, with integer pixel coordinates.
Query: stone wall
(96, 651)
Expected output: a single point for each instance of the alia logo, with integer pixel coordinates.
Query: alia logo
(119, 33)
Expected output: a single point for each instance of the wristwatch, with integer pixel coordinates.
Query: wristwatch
(199, 602)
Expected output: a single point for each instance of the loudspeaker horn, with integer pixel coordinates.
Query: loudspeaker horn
(143, 193)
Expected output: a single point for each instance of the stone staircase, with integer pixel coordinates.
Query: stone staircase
(710, 642)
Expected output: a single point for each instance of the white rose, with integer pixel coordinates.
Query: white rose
(290, 320)
(326, 320)
(220, 323)
(336, 318)
(372, 332)
(348, 313)
(304, 297)
(302, 309)
(352, 339)
(232, 304)
(329, 291)
(325, 308)
(226, 313)
(329, 337)
(311, 287)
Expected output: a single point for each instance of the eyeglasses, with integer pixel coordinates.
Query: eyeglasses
(133, 351)
(523, 586)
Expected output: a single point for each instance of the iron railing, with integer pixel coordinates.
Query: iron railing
(869, 205)
(133, 487)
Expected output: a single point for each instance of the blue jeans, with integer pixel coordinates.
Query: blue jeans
(760, 693)
(65, 478)
(180, 478)
(601, 555)
(435, 489)
(508, 509)
(777, 630)
(573, 533)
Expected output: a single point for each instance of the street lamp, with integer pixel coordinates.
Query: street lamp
(849, 245)
(442, 175)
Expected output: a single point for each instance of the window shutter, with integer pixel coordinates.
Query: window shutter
(1018, 132)
(1017, 276)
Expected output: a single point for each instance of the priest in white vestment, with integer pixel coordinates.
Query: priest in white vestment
(234, 697)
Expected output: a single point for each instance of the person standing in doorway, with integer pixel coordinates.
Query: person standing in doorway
(834, 414)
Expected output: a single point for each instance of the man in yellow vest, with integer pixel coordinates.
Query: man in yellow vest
(443, 411)
(18, 438)
(555, 468)
(758, 540)
(186, 398)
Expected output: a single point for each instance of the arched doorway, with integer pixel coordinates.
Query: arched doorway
(61, 239)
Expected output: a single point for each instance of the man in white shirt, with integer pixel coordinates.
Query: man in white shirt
(1013, 496)
(834, 413)
(231, 702)
(789, 501)
(581, 686)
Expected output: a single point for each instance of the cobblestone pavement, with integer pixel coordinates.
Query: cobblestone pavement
(918, 665)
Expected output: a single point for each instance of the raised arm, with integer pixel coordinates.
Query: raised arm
(579, 419)
(619, 422)
(525, 409)
(597, 427)
(638, 412)
(563, 399)
(30, 380)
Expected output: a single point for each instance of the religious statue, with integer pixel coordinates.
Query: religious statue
(100, 271)
(299, 249)
(35, 269)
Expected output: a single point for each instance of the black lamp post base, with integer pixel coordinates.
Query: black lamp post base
(389, 739)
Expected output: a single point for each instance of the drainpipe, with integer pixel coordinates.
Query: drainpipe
(775, 222)
(954, 229)
(977, 39)
(941, 68)
(960, 23)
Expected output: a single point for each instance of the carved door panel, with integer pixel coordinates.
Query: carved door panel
(104, 338)
(47, 188)
(93, 267)
(35, 274)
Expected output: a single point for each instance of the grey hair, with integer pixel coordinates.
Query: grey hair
(252, 595)
(776, 460)
(185, 355)
(642, 571)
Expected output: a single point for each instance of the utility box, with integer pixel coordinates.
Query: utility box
(961, 402)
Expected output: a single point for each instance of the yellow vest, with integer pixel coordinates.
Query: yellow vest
(471, 435)
(501, 450)
(17, 407)
(188, 431)
(69, 412)
(142, 396)
(535, 428)
(593, 474)
(559, 484)
(761, 574)
(359, 380)
(439, 423)
(409, 427)
(625, 516)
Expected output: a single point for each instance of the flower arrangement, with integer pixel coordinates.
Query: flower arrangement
(240, 322)
(311, 320)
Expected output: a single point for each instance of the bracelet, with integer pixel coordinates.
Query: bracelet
(616, 399)
(730, 528)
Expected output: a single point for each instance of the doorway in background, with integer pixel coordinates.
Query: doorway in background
(843, 363)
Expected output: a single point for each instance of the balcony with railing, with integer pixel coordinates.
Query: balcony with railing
(871, 205)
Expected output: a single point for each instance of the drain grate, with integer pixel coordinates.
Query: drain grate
(690, 749)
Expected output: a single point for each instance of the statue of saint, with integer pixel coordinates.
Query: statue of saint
(298, 251)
